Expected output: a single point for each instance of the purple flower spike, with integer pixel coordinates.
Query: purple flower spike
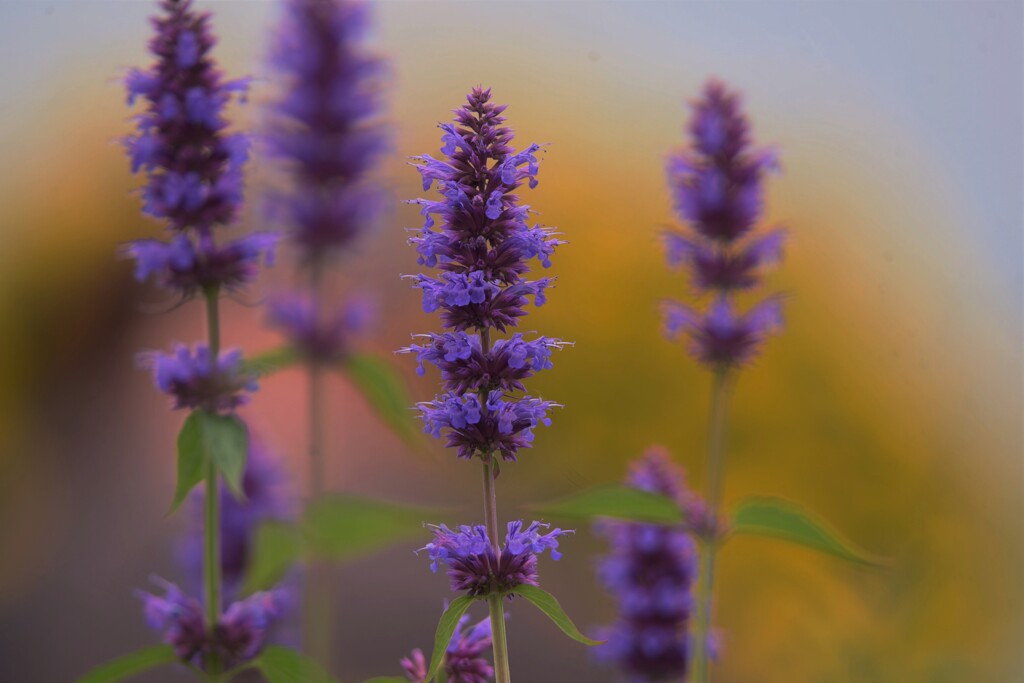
(238, 636)
(473, 566)
(717, 185)
(465, 660)
(477, 235)
(325, 124)
(651, 570)
(196, 380)
(193, 168)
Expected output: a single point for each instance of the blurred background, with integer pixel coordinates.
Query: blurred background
(891, 404)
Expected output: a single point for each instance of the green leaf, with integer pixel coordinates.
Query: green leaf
(547, 604)
(341, 526)
(204, 438)
(385, 391)
(782, 519)
(131, 664)
(617, 501)
(191, 459)
(283, 665)
(269, 362)
(445, 630)
(336, 527)
(224, 440)
(387, 679)
(276, 547)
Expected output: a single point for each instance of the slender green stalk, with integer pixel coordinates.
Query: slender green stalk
(501, 671)
(491, 504)
(213, 319)
(317, 596)
(211, 517)
(494, 601)
(315, 371)
(715, 476)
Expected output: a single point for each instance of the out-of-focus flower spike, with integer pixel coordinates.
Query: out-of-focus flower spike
(326, 123)
(717, 186)
(193, 166)
(651, 570)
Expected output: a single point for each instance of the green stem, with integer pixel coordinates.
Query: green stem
(715, 476)
(213, 319)
(317, 592)
(497, 609)
(494, 601)
(211, 525)
(316, 389)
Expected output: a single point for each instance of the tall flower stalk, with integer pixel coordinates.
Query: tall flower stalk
(482, 247)
(717, 186)
(324, 130)
(194, 185)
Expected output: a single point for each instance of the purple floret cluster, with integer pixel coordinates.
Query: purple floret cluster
(651, 570)
(195, 379)
(318, 335)
(238, 636)
(475, 567)
(193, 167)
(189, 266)
(465, 660)
(717, 187)
(477, 234)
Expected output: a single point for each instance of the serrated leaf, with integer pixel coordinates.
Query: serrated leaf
(385, 391)
(616, 501)
(547, 604)
(269, 362)
(131, 664)
(780, 518)
(276, 547)
(191, 459)
(445, 630)
(284, 665)
(341, 526)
